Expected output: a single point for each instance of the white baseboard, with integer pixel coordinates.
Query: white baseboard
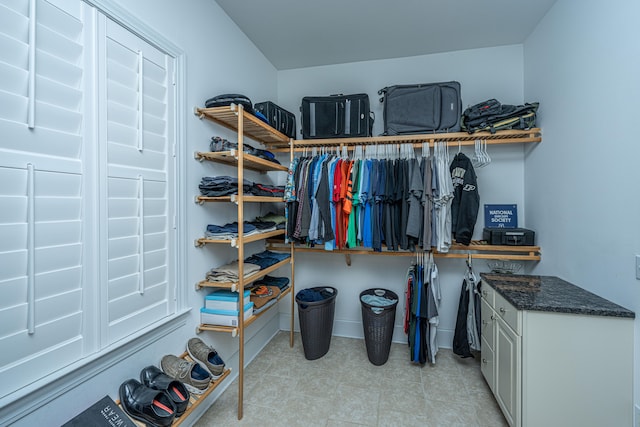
(350, 329)
(636, 416)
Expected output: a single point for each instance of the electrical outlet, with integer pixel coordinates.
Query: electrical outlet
(638, 267)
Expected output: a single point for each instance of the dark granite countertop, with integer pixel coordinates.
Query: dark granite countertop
(549, 293)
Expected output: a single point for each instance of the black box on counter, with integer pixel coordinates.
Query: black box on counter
(509, 236)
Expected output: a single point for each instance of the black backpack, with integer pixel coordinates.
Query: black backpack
(493, 116)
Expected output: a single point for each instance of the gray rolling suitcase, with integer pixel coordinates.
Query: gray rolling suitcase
(421, 108)
(336, 116)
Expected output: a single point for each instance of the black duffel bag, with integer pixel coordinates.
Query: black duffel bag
(493, 116)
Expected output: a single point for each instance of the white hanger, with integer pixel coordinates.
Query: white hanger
(476, 159)
(486, 154)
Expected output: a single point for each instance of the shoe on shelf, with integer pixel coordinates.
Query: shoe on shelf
(191, 374)
(154, 378)
(206, 356)
(142, 403)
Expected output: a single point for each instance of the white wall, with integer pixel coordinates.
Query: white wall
(219, 59)
(500, 182)
(583, 64)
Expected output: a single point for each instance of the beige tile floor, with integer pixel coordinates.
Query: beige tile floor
(343, 388)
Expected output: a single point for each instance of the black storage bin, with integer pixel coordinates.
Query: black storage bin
(378, 323)
(316, 322)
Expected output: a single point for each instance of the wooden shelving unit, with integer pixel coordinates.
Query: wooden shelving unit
(245, 124)
(235, 118)
(476, 249)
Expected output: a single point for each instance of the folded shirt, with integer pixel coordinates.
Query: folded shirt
(281, 282)
(267, 258)
(272, 217)
(229, 231)
(220, 144)
(229, 272)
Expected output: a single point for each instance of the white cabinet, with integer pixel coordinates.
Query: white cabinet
(501, 344)
(507, 360)
(549, 368)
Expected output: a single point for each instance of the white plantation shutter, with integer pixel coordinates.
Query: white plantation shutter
(139, 170)
(87, 187)
(42, 190)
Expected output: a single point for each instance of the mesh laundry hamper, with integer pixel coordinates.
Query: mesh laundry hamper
(316, 322)
(378, 322)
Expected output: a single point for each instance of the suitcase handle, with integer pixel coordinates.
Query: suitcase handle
(340, 119)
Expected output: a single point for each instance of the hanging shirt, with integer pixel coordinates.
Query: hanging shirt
(466, 199)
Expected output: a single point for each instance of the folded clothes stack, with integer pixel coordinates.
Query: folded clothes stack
(279, 220)
(267, 190)
(221, 144)
(266, 259)
(216, 186)
(230, 230)
(229, 272)
(261, 226)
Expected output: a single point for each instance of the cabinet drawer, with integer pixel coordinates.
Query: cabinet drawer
(487, 366)
(508, 313)
(487, 293)
(487, 315)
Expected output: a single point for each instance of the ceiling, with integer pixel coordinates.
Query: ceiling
(306, 33)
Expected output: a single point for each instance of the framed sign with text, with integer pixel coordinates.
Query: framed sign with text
(501, 216)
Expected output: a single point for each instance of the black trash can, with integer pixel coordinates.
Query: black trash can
(378, 321)
(316, 320)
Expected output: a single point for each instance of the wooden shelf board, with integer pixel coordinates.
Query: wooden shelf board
(255, 128)
(452, 139)
(257, 276)
(234, 198)
(477, 251)
(249, 161)
(238, 241)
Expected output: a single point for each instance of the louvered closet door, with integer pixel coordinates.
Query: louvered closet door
(42, 194)
(139, 176)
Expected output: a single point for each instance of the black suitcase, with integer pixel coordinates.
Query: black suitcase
(228, 99)
(336, 116)
(278, 117)
(509, 236)
(421, 108)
